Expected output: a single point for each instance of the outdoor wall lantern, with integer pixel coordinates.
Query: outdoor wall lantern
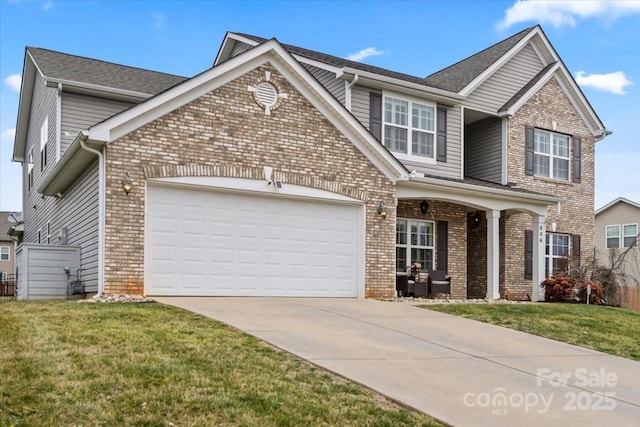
(424, 207)
(477, 217)
(127, 183)
(382, 209)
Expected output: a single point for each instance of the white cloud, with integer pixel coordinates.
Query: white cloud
(559, 13)
(48, 5)
(8, 135)
(14, 81)
(365, 53)
(610, 82)
(159, 21)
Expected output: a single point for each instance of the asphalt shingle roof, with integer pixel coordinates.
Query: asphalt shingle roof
(457, 76)
(58, 65)
(341, 62)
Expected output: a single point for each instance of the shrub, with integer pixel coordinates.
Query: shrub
(597, 292)
(559, 287)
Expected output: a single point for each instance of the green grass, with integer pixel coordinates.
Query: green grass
(607, 329)
(63, 364)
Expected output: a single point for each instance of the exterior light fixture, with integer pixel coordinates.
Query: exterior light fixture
(477, 217)
(382, 209)
(424, 207)
(127, 183)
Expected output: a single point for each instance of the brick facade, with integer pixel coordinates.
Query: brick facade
(226, 133)
(549, 109)
(456, 216)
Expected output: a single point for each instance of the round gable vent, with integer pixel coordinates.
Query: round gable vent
(266, 94)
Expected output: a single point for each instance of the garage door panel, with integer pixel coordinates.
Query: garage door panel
(218, 243)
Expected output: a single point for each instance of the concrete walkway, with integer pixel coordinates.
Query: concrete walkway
(459, 371)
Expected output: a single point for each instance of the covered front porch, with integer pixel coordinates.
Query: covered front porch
(459, 226)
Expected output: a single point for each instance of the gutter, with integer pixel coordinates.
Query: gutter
(347, 95)
(402, 83)
(101, 208)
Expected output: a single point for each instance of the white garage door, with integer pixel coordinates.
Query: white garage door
(212, 243)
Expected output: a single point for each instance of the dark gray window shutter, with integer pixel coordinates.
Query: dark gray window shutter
(441, 143)
(442, 246)
(575, 248)
(375, 114)
(528, 150)
(528, 254)
(577, 157)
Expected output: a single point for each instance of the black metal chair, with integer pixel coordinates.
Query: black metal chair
(402, 286)
(439, 282)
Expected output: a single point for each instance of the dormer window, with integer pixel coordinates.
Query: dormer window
(409, 128)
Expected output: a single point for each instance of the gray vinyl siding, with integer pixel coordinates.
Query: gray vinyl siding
(360, 104)
(78, 212)
(483, 150)
(328, 80)
(36, 209)
(79, 112)
(451, 168)
(507, 81)
(239, 48)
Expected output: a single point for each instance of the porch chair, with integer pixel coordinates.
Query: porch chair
(439, 282)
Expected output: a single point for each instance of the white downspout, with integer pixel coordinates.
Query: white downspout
(347, 95)
(58, 122)
(101, 215)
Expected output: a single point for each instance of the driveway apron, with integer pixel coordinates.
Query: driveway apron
(460, 371)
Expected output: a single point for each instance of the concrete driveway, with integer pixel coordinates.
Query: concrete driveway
(459, 371)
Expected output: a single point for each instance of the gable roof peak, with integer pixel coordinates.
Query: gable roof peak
(456, 77)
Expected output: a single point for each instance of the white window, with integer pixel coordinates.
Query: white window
(44, 136)
(409, 127)
(4, 253)
(30, 169)
(414, 243)
(629, 234)
(551, 155)
(48, 232)
(557, 254)
(613, 236)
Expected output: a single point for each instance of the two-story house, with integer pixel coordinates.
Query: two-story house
(282, 171)
(617, 227)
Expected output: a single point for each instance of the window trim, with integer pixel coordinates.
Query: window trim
(552, 156)
(606, 235)
(623, 236)
(408, 245)
(411, 100)
(8, 253)
(44, 139)
(549, 257)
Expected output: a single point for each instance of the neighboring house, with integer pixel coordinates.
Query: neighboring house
(7, 245)
(617, 229)
(268, 173)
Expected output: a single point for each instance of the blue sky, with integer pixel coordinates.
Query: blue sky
(598, 41)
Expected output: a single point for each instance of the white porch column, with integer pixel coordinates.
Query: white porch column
(493, 255)
(539, 237)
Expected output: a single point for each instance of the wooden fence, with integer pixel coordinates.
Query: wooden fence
(633, 298)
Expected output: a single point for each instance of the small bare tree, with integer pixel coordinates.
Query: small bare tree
(618, 272)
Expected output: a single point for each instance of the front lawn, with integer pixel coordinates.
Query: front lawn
(607, 329)
(64, 363)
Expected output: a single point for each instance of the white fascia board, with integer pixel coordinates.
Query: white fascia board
(227, 46)
(391, 83)
(616, 201)
(462, 187)
(319, 64)
(581, 104)
(24, 107)
(499, 63)
(98, 89)
(532, 91)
